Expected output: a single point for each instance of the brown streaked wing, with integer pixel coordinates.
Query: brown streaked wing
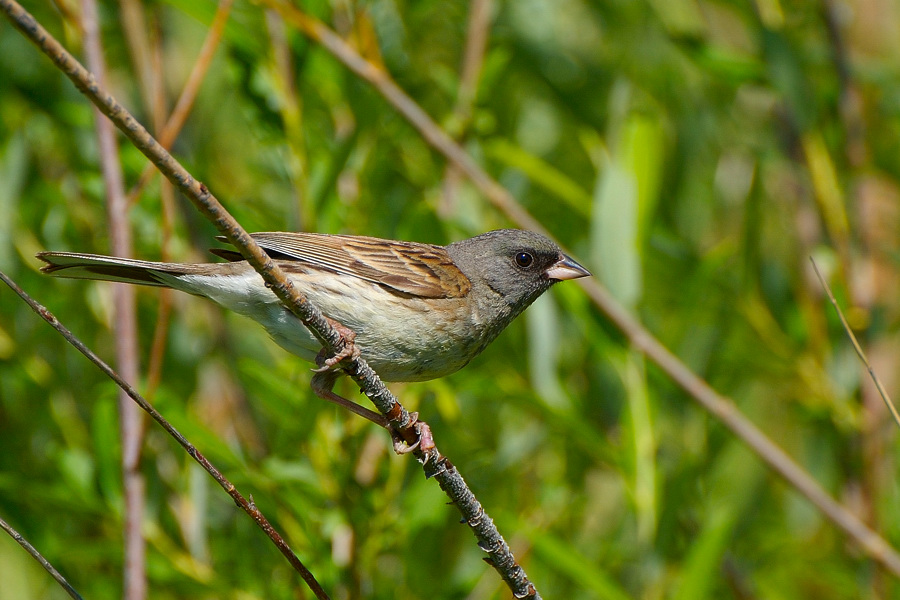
(409, 267)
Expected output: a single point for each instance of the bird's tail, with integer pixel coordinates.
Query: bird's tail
(109, 268)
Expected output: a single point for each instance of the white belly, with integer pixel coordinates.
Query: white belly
(403, 338)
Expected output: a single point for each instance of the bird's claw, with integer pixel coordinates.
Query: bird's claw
(348, 350)
(424, 441)
(401, 447)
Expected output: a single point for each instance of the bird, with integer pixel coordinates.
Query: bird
(416, 311)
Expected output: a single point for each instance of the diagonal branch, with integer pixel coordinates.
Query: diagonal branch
(859, 351)
(248, 506)
(723, 408)
(403, 424)
(20, 539)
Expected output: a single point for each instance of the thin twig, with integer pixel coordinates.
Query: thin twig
(402, 423)
(248, 506)
(131, 427)
(720, 406)
(859, 351)
(38, 557)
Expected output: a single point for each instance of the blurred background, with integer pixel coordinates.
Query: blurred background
(693, 154)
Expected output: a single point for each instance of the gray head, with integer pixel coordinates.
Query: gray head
(517, 265)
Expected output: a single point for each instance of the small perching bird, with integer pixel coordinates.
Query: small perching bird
(418, 311)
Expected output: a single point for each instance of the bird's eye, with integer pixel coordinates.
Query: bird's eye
(524, 259)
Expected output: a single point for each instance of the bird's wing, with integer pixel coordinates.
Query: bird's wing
(411, 268)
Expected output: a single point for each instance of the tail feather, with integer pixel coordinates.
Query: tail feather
(108, 268)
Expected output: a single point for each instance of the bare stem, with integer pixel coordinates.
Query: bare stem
(247, 506)
(859, 351)
(20, 539)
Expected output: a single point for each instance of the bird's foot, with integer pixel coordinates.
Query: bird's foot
(348, 348)
(416, 435)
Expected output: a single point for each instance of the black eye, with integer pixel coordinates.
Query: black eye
(524, 259)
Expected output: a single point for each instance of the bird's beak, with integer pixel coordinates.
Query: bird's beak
(566, 268)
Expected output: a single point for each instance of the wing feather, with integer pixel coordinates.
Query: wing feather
(409, 267)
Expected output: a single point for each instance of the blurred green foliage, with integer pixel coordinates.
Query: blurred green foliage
(693, 153)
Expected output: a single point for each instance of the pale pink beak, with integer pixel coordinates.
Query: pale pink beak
(566, 268)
